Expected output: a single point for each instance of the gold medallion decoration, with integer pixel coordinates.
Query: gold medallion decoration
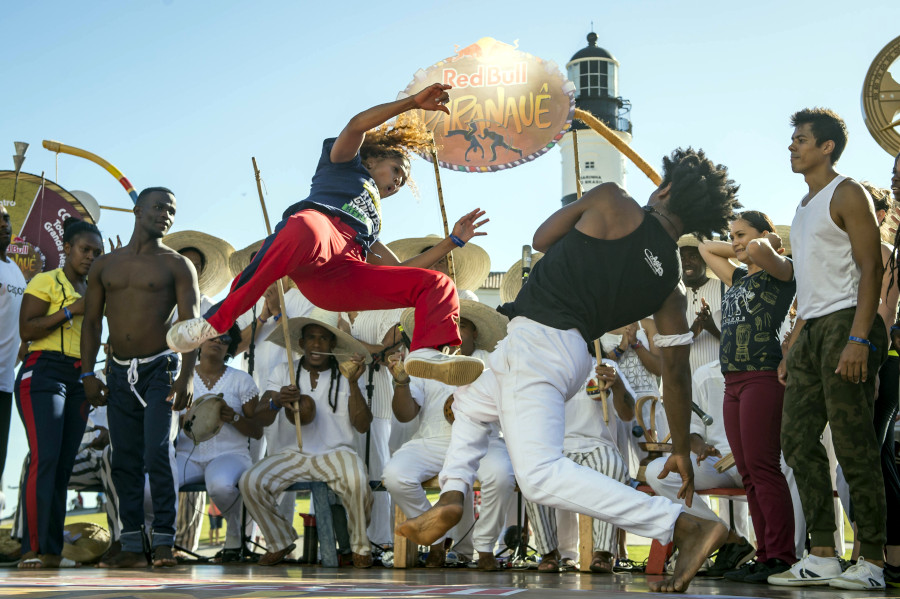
(881, 98)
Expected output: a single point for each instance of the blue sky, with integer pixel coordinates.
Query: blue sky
(182, 94)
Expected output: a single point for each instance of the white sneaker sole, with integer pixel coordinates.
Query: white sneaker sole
(852, 585)
(460, 370)
(799, 582)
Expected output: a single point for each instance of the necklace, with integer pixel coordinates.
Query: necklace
(653, 210)
(212, 381)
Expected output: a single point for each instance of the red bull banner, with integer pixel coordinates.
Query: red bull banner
(37, 208)
(506, 107)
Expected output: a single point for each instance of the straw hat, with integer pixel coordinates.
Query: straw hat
(86, 542)
(346, 345)
(471, 264)
(491, 325)
(240, 259)
(511, 282)
(215, 276)
(784, 231)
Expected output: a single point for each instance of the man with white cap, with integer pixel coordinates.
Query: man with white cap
(422, 457)
(330, 409)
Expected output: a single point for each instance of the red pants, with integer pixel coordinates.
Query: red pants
(752, 413)
(320, 254)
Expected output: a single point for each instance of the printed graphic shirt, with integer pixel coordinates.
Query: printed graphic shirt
(345, 190)
(12, 288)
(752, 312)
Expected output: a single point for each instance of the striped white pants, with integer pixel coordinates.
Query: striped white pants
(343, 471)
(188, 524)
(604, 459)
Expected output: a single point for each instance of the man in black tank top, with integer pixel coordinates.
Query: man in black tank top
(608, 262)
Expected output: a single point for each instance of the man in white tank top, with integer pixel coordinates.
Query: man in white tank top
(835, 351)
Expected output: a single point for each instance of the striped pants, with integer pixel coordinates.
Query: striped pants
(343, 471)
(604, 459)
(191, 509)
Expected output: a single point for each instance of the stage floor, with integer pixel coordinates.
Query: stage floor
(246, 582)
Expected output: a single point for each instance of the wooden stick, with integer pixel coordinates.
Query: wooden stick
(440, 192)
(597, 125)
(117, 209)
(598, 353)
(285, 327)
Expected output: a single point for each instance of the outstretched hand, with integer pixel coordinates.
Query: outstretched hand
(681, 464)
(466, 227)
(433, 97)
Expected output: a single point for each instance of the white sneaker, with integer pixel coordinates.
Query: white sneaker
(862, 576)
(187, 335)
(454, 370)
(809, 571)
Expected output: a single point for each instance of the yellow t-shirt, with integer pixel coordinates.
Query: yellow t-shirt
(53, 287)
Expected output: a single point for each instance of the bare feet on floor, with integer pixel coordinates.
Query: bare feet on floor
(487, 562)
(428, 527)
(163, 557)
(695, 539)
(601, 562)
(125, 559)
(436, 556)
(33, 561)
(276, 557)
(549, 562)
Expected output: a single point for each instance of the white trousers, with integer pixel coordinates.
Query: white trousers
(421, 459)
(343, 471)
(705, 477)
(603, 459)
(380, 530)
(530, 376)
(221, 476)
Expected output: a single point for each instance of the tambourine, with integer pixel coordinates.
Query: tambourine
(204, 420)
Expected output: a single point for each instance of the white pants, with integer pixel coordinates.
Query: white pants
(531, 374)
(705, 477)
(343, 471)
(603, 459)
(221, 476)
(421, 459)
(380, 530)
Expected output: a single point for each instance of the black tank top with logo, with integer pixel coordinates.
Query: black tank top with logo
(597, 285)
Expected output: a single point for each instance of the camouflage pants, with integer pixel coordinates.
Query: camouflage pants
(816, 395)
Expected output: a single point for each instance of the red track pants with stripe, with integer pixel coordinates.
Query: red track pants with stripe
(320, 254)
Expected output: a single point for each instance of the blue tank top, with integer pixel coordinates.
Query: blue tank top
(597, 285)
(345, 190)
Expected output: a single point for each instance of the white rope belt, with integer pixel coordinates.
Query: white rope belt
(133, 365)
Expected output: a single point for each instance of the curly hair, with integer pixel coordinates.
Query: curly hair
(826, 125)
(702, 195)
(401, 138)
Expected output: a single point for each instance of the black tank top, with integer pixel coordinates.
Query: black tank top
(597, 285)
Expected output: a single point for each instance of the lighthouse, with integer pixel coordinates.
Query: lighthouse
(595, 74)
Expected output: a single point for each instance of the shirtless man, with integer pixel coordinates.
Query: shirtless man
(138, 287)
(569, 301)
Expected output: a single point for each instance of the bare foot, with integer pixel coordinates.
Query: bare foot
(276, 557)
(487, 562)
(30, 561)
(549, 562)
(601, 562)
(436, 556)
(163, 557)
(428, 527)
(125, 559)
(695, 538)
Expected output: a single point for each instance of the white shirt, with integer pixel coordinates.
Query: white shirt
(330, 430)
(705, 348)
(237, 388)
(370, 327)
(585, 428)
(709, 394)
(12, 288)
(630, 366)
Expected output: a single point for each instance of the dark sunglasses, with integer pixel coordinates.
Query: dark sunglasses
(223, 339)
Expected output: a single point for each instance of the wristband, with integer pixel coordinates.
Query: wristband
(617, 352)
(862, 341)
(67, 313)
(277, 316)
(396, 384)
(273, 407)
(637, 345)
(261, 321)
(896, 327)
(85, 375)
(459, 242)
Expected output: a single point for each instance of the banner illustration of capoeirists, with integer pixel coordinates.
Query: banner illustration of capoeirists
(37, 208)
(507, 107)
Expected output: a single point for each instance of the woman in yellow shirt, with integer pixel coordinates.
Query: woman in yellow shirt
(49, 395)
